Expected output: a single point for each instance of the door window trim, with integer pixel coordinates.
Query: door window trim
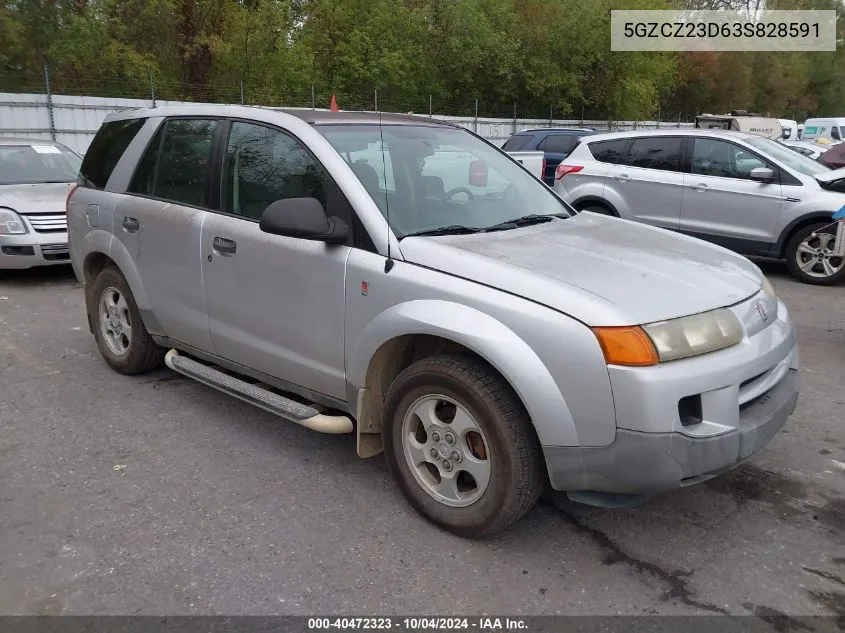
(210, 172)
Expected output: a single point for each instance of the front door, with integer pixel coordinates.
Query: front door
(275, 304)
(721, 202)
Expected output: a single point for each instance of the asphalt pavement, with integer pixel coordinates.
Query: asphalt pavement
(158, 495)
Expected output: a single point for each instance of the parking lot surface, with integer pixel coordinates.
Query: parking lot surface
(158, 495)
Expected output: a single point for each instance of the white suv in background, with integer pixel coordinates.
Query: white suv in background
(743, 192)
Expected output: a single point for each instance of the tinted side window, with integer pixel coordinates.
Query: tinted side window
(655, 152)
(516, 143)
(608, 151)
(105, 150)
(559, 143)
(712, 157)
(184, 161)
(143, 181)
(264, 165)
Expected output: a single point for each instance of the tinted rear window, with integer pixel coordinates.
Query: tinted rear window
(105, 150)
(175, 167)
(608, 151)
(559, 143)
(516, 143)
(655, 152)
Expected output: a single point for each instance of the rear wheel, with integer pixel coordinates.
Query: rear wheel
(118, 329)
(461, 446)
(810, 258)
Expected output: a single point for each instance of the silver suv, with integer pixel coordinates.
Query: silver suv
(747, 193)
(316, 265)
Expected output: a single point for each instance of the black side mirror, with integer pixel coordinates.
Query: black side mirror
(304, 218)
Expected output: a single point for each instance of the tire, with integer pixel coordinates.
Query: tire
(140, 353)
(593, 207)
(802, 248)
(506, 448)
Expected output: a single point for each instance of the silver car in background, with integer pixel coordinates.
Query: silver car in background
(36, 177)
(811, 150)
(744, 192)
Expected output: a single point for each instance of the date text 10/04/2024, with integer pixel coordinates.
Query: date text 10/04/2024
(402, 624)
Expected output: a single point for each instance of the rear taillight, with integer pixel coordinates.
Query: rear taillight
(67, 200)
(544, 169)
(562, 170)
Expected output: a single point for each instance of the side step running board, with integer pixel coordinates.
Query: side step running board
(269, 401)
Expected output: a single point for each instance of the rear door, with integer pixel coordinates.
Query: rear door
(649, 180)
(163, 215)
(722, 204)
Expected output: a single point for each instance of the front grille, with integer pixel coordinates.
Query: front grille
(48, 222)
(55, 252)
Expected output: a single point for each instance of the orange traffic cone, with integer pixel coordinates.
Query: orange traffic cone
(333, 107)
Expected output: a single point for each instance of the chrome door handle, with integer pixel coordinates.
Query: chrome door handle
(623, 177)
(699, 187)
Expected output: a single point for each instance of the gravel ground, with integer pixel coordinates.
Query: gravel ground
(224, 509)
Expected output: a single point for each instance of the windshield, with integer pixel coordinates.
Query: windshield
(792, 159)
(31, 164)
(431, 177)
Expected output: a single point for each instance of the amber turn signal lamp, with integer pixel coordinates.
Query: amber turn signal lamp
(628, 345)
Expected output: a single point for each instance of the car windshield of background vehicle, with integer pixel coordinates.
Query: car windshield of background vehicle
(796, 161)
(33, 164)
(430, 177)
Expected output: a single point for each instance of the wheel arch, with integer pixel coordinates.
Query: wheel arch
(796, 225)
(593, 199)
(103, 249)
(410, 331)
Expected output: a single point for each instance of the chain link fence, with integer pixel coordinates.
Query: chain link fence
(60, 96)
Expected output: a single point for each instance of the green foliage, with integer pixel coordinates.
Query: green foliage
(544, 57)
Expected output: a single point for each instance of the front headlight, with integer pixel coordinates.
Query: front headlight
(694, 335)
(11, 223)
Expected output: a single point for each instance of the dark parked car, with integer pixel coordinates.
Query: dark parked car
(555, 142)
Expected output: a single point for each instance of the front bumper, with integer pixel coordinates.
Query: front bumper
(18, 252)
(741, 399)
(640, 463)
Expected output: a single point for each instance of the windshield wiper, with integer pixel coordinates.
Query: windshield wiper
(525, 220)
(452, 229)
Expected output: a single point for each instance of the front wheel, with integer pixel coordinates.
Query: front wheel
(810, 258)
(461, 446)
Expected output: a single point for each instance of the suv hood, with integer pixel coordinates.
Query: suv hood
(599, 270)
(48, 197)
